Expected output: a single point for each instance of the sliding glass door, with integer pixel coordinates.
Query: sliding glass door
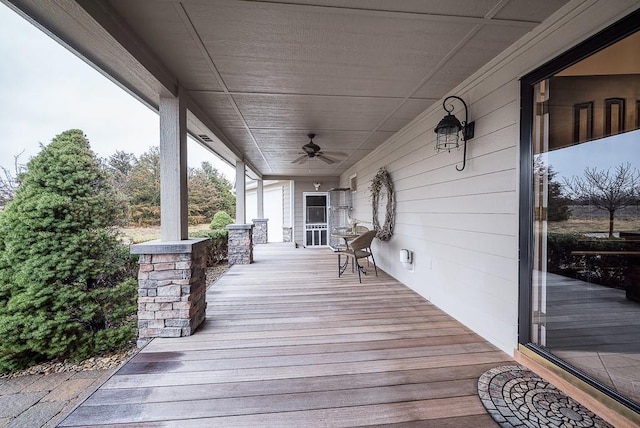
(581, 217)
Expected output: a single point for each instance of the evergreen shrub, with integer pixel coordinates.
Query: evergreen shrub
(66, 283)
(220, 220)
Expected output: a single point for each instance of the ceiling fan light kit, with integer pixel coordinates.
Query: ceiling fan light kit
(312, 150)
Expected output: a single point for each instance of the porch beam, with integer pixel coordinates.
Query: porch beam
(241, 194)
(260, 194)
(173, 168)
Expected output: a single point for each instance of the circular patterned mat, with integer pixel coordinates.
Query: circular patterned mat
(517, 397)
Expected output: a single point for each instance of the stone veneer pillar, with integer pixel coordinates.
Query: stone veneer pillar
(260, 230)
(240, 244)
(287, 234)
(171, 288)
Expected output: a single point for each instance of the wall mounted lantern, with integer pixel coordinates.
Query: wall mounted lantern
(449, 128)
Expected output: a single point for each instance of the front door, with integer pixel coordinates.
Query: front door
(315, 219)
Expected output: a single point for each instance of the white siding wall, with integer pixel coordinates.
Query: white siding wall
(463, 226)
(276, 206)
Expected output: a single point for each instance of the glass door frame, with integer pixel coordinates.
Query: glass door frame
(627, 26)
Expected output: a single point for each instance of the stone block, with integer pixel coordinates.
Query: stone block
(167, 299)
(143, 323)
(163, 315)
(149, 332)
(165, 258)
(184, 265)
(142, 292)
(145, 300)
(146, 315)
(170, 332)
(146, 267)
(178, 323)
(151, 307)
(181, 305)
(166, 274)
(156, 323)
(164, 266)
(152, 292)
(146, 283)
(170, 291)
(38, 415)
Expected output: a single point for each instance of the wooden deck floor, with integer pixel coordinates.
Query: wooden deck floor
(288, 343)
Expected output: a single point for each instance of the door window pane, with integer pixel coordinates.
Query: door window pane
(585, 306)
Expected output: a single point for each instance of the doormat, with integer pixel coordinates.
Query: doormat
(517, 397)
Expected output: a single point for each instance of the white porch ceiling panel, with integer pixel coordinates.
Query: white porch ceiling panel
(267, 73)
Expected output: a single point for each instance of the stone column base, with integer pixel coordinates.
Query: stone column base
(240, 244)
(287, 234)
(171, 288)
(260, 230)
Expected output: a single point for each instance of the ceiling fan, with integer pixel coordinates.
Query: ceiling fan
(312, 150)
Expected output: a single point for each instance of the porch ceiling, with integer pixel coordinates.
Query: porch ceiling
(260, 75)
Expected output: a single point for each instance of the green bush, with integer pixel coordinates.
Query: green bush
(605, 269)
(66, 287)
(218, 250)
(220, 220)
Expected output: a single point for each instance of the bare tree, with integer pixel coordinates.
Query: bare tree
(607, 190)
(10, 180)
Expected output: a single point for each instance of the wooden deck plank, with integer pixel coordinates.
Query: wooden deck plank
(288, 343)
(281, 351)
(285, 386)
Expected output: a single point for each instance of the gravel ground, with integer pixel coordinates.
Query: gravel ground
(104, 362)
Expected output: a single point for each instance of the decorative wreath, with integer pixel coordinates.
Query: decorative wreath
(382, 178)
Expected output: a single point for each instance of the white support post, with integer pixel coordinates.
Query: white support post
(260, 195)
(241, 194)
(173, 168)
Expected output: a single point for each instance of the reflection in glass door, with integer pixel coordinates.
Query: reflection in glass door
(585, 279)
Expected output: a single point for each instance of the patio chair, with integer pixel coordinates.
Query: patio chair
(360, 248)
(361, 229)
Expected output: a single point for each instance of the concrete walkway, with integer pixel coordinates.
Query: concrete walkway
(34, 401)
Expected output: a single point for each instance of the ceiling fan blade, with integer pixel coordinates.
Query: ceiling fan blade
(325, 159)
(332, 153)
(301, 159)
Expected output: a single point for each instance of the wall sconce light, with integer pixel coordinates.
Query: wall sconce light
(449, 128)
(317, 186)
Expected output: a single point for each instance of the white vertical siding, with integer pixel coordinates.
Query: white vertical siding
(463, 226)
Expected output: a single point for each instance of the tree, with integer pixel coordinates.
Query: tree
(557, 202)
(120, 167)
(10, 180)
(203, 196)
(65, 285)
(143, 189)
(606, 190)
(227, 200)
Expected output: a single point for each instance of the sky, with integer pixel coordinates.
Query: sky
(603, 154)
(45, 89)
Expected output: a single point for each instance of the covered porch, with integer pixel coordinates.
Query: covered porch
(288, 343)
